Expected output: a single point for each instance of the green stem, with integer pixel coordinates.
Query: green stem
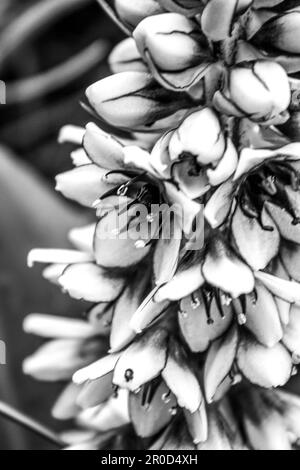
(26, 422)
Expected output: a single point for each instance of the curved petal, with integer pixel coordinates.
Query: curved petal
(223, 269)
(103, 149)
(219, 205)
(182, 284)
(89, 282)
(97, 369)
(83, 184)
(151, 349)
(291, 337)
(266, 367)
(284, 222)
(200, 327)
(95, 392)
(263, 317)
(256, 245)
(219, 362)
(181, 379)
(285, 290)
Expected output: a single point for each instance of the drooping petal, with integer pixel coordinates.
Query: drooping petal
(71, 134)
(110, 415)
(83, 184)
(219, 361)
(223, 269)
(290, 256)
(197, 424)
(151, 349)
(264, 426)
(59, 359)
(266, 367)
(90, 282)
(121, 331)
(263, 318)
(256, 245)
(182, 284)
(147, 312)
(95, 392)
(39, 255)
(291, 337)
(284, 222)
(180, 378)
(82, 237)
(97, 369)
(50, 326)
(103, 149)
(199, 326)
(66, 406)
(151, 409)
(115, 247)
(220, 204)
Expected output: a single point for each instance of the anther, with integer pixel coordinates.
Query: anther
(128, 375)
(242, 319)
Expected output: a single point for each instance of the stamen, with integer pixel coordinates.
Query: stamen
(219, 303)
(166, 397)
(195, 303)
(242, 319)
(174, 410)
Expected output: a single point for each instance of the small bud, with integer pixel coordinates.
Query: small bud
(199, 135)
(258, 90)
(281, 32)
(133, 100)
(134, 11)
(185, 7)
(175, 49)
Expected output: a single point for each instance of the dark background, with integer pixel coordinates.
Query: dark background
(36, 38)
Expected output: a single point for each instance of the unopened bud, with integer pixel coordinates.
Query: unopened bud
(258, 90)
(174, 47)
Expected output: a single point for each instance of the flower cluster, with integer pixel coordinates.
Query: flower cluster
(185, 342)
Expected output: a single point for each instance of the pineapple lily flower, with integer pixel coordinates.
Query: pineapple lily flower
(203, 94)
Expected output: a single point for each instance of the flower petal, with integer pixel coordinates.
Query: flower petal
(147, 312)
(286, 290)
(114, 249)
(196, 323)
(110, 415)
(83, 184)
(181, 379)
(89, 282)
(220, 204)
(256, 245)
(182, 284)
(121, 332)
(65, 407)
(263, 318)
(290, 256)
(150, 417)
(58, 359)
(103, 149)
(197, 424)
(291, 338)
(266, 367)
(83, 237)
(284, 222)
(50, 326)
(95, 392)
(71, 134)
(151, 349)
(39, 255)
(97, 369)
(223, 269)
(219, 362)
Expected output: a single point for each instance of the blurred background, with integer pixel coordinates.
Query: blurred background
(50, 51)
